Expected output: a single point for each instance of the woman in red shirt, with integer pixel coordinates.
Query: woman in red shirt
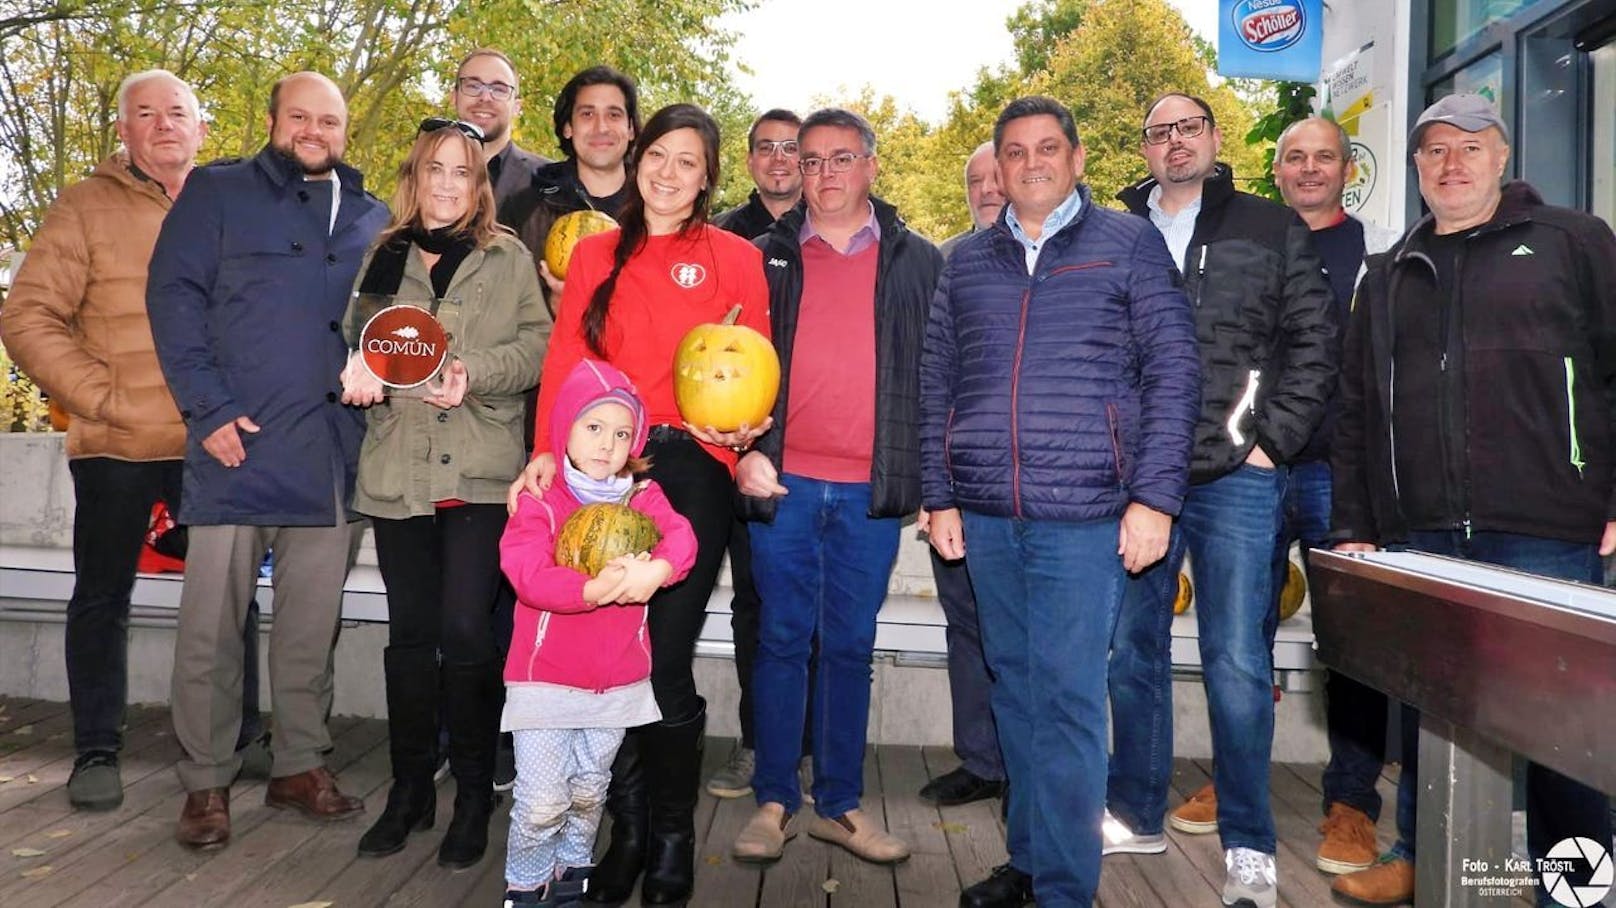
(630, 297)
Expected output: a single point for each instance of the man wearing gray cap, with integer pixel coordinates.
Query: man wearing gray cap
(1496, 313)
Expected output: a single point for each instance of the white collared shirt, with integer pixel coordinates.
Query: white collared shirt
(1060, 217)
(1176, 229)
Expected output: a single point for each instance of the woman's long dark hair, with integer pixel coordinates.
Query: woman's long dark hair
(632, 218)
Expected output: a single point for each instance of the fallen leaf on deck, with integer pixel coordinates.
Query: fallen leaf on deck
(36, 872)
(312, 905)
(26, 852)
(5, 779)
(58, 833)
(190, 877)
(713, 860)
(32, 779)
(956, 828)
(23, 730)
(830, 886)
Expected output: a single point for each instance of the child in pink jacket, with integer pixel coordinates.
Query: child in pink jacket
(579, 668)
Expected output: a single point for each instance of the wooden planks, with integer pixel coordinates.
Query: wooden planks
(129, 857)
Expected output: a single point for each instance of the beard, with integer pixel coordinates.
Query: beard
(309, 169)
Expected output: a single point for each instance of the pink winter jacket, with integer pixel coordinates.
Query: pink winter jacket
(558, 637)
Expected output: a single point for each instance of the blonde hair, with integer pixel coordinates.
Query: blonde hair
(478, 221)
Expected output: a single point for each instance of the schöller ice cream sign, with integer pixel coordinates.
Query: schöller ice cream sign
(1270, 39)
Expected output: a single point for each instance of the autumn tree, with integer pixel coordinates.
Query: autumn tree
(1124, 54)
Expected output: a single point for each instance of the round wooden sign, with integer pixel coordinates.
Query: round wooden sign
(403, 345)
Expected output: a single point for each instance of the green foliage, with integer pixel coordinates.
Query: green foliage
(1293, 101)
(394, 59)
(1038, 25)
(22, 408)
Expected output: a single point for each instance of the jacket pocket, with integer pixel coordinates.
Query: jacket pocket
(1115, 425)
(491, 445)
(948, 445)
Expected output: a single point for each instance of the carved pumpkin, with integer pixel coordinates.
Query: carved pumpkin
(725, 375)
(565, 234)
(1186, 594)
(596, 533)
(1290, 598)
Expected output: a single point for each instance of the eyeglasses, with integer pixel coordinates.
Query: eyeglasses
(1188, 128)
(766, 148)
(836, 163)
(433, 124)
(476, 88)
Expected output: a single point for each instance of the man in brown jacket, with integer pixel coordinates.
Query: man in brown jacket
(75, 322)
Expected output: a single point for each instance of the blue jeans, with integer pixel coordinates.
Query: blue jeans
(1556, 807)
(976, 739)
(1354, 713)
(1228, 526)
(1047, 595)
(821, 569)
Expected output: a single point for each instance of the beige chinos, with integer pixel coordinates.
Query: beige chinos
(221, 576)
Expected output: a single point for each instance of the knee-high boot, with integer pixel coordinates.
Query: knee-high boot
(412, 740)
(473, 697)
(674, 772)
(612, 881)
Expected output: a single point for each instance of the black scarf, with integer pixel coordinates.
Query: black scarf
(386, 269)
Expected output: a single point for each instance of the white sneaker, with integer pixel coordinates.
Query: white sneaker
(1251, 880)
(1117, 838)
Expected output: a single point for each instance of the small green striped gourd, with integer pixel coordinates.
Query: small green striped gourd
(565, 234)
(597, 533)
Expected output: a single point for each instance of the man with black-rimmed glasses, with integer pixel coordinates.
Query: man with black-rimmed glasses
(486, 92)
(1265, 320)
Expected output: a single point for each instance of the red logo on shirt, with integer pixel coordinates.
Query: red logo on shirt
(688, 274)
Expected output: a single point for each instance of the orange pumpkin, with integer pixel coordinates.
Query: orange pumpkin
(565, 234)
(725, 375)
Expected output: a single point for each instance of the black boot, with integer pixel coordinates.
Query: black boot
(473, 697)
(612, 881)
(412, 739)
(674, 772)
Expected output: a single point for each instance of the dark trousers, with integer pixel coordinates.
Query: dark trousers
(744, 612)
(701, 489)
(976, 738)
(112, 511)
(1556, 807)
(442, 575)
(1354, 713)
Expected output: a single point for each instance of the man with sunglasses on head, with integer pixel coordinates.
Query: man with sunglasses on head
(486, 93)
(1266, 324)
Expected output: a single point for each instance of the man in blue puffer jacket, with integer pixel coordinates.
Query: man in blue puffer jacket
(1059, 392)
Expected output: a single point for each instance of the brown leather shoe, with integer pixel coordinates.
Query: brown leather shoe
(1349, 840)
(205, 819)
(314, 794)
(1390, 882)
(1198, 815)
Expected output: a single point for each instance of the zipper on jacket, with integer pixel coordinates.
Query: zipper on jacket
(1015, 394)
(1246, 404)
(538, 641)
(1200, 277)
(948, 446)
(1391, 426)
(1116, 440)
(1571, 414)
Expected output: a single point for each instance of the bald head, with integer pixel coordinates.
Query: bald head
(982, 191)
(308, 122)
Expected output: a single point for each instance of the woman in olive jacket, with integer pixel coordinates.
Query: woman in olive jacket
(433, 472)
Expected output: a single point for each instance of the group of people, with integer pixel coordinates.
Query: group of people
(1069, 396)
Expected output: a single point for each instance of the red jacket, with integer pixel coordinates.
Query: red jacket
(558, 637)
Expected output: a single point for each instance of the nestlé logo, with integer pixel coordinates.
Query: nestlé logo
(1269, 25)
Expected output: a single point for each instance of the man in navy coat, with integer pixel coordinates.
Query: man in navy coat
(248, 282)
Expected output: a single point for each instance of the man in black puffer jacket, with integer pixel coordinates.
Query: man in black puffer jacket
(1265, 321)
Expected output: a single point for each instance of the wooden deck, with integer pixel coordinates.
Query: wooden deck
(53, 856)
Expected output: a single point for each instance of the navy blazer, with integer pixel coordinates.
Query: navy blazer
(246, 292)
